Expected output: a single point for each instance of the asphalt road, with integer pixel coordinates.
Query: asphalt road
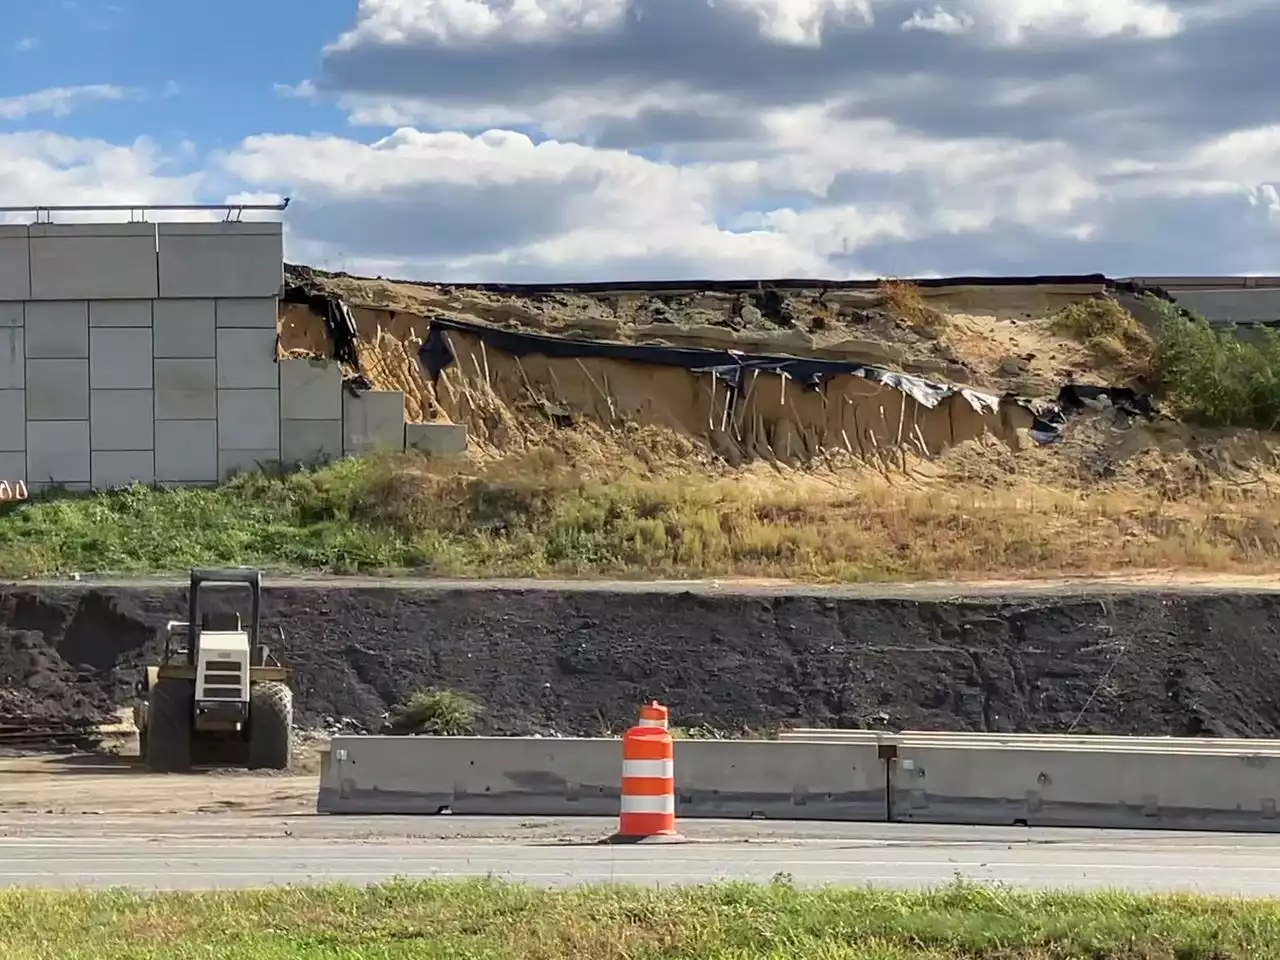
(222, 852)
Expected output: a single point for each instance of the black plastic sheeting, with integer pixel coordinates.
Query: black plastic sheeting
(337, 319)
(732, 367)
(303, 274)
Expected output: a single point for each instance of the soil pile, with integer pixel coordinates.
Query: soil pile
(577, 662)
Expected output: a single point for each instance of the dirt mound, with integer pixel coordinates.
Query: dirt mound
(549, 661)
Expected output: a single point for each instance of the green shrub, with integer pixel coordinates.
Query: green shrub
(1214, 378)
(441, 713)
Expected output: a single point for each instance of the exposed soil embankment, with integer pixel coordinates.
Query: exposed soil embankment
(579, 662)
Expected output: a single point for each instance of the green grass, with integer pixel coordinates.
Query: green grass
(486, 919)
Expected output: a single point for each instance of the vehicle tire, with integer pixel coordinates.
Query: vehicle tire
(170, 726)
(270, 727)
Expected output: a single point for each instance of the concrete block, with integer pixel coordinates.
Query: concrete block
(372, 420)
(57, 331)
(120, 358)
(310, 441)
(13, 358)
(186, 389)
(183, 328)
(186, 451)
(11, 313)
(58, 451)
(15, 263)
(13, 421)
(119, 468)
(310, 391)
(259, 313)
(122, 419)
(13, 467)
(439, 438)
(120, 313)
(1105, 786)
(58, 389)
(247, 360)
(221, 259)
(94, 261)
(231, 462)
(532, 777)
(249, 420)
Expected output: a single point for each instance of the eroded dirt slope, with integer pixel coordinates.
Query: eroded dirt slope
(578, 662)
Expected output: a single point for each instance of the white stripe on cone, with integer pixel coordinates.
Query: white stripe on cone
(663, 769)
(663, 804)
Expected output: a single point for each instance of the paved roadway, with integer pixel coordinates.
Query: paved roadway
(229, 851)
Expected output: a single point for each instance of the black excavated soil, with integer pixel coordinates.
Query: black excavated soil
(579, 662)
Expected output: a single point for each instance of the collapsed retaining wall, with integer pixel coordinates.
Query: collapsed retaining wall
(578, 661)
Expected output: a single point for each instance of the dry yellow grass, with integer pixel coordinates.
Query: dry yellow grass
(590, 503)
(902, 300)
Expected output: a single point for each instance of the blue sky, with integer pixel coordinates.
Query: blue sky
(625, 139)
(201, 70)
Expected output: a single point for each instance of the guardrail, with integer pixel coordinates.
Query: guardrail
(910, 777)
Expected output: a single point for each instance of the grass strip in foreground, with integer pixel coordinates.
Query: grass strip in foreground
(487, 919)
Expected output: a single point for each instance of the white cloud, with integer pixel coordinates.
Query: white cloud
(531, 140)
(939, 20)
(48, 169)
(26, 44)
(59, 101)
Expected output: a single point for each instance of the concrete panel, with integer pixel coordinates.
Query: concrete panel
(184, 328)
(10, 313)
(1232, 306)
(438, 438)
(120, 358)
(57, 331)
(310, 441)
(221, 259)
(1098, 786)
(13, 421)
(13, 358)
(122, 420)
(231, 462)
(13, 467)
(58, 389)
(57, 451)
(372, 420)
(119, 468)
(120, 313)
(567, 777)
(186, 389)
(249, 420)
(258, 313)
(186, 451)
(15, 263)
(310, 390)
(96, 261)
(247, 360)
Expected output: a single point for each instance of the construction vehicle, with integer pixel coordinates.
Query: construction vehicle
(218, 696)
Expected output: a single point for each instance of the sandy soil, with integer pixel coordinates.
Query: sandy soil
(93, 784)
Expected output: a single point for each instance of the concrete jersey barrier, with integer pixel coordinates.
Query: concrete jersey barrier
(581, 777)
(1135, 788)
(863, 776)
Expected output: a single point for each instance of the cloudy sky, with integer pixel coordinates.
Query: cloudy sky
(547, 140)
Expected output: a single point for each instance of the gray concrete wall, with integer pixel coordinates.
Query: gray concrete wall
(137, 352)
(582, 777)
